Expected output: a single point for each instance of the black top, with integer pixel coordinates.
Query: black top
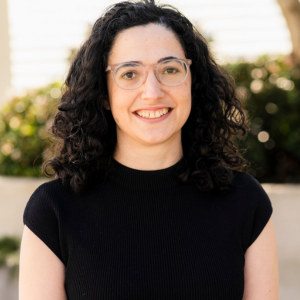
(145, 235)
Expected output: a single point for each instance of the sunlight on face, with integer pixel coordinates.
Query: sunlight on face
(148, 44)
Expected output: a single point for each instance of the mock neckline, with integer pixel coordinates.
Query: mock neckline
(144, 179)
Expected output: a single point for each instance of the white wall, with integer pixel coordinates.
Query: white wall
(5, 72)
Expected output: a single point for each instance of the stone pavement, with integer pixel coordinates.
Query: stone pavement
(285, 198)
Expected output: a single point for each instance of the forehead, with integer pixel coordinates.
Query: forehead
(146, 44)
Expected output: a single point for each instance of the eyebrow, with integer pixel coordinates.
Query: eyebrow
(160, 60)
(128, 64)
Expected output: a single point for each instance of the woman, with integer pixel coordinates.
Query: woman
(149, 200)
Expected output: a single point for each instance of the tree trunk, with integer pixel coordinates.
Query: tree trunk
(291, 12)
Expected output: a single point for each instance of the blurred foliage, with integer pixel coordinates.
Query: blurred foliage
(23, 130)
(10, 253)
(268, 88)
(270, 92)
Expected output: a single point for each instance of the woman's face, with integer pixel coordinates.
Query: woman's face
(148, 44)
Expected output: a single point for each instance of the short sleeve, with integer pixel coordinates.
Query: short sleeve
(261, 209)
(41, 217)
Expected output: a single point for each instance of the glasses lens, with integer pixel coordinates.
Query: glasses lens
(129, 75)
(172, 72)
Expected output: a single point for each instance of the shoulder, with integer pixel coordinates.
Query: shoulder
(250, 192)
(52, 190)
(254, 204)
(251, 198)
(42, 214)
(50, 187)
(240, 179)
(246, 185)
(46, 199)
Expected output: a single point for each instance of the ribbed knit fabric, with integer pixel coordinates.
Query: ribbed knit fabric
(145, 235)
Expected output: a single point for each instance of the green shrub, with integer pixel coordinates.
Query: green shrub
(23, 130)
(10, 253)
(271, 92)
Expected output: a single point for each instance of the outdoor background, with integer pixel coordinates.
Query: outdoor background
(258, 41)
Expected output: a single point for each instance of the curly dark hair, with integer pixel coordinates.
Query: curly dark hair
(85, 132)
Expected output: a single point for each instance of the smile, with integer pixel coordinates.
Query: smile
(153, 119)
(153, 115)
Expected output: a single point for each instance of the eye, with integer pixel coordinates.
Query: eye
(171, 71)
(129, 75)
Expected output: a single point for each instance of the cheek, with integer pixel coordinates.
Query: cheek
(185, 97)
(113, 94)
(188, 89)
(186, 104)
(120, 106)
(187, 108)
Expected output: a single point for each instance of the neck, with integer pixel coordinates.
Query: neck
(141, 156)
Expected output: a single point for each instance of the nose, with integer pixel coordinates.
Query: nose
(152, 87)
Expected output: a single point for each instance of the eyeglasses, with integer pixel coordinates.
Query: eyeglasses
(131, 75)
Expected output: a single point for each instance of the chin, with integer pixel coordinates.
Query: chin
(158, 139)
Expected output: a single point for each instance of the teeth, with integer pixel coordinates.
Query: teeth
(152, 115)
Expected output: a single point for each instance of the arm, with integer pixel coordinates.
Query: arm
(42, 273)
(261, 267)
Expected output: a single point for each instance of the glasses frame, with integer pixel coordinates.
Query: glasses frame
(112, 68)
